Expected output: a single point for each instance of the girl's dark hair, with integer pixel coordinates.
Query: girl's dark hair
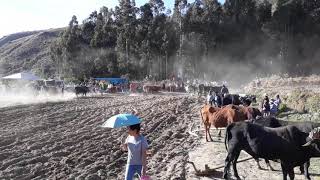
(135, 127)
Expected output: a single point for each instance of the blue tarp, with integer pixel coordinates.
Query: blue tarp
(114, 81)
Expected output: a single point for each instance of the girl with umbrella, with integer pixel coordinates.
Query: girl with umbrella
(136, 144)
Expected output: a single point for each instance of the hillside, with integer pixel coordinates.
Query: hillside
(27, 50)
(244, 39)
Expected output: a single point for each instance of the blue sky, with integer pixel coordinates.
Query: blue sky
(28, 15)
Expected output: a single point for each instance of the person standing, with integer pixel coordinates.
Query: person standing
(224, 90)
(265, 106)
(277, 101)
(62, 88)
(210, 98)
(217, 100)
(136, 145)
(273, 108)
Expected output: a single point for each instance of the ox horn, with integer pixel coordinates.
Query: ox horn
(308, 143)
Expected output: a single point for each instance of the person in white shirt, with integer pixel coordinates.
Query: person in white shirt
(136, 145)
(277, 101)
(210, 98)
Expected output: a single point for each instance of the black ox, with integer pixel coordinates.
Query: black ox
(235, 99)
(81, 90)
(281, 143)
(306, 127)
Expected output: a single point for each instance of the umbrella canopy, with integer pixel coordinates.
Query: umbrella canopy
(121, 120)
(23, 76)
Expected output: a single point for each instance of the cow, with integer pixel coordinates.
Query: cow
(221, 117)
(206, 112)
(236, 99)
(306, 127)
(272, 122)
(281, 143)
(81, 90)
(249, 113)
(151, 88)
(248, 98)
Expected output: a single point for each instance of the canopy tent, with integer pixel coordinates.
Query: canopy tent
(114, 81)
(23, 76)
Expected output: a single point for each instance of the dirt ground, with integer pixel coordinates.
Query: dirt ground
(64, 140)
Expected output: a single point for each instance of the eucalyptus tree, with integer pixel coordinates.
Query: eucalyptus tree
(126, 27)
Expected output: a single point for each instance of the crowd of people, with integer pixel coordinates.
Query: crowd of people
(214, 98)
(270, 107)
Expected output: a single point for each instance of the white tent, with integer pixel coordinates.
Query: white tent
(23, 76)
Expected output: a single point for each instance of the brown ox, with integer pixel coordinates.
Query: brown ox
(151, 88)
(222, 117)
(246, 112)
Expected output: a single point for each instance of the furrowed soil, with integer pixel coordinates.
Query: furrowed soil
(65, 140)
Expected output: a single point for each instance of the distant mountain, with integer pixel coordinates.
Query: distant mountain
(27, 51)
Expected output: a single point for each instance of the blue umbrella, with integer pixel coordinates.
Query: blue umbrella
(121, 120)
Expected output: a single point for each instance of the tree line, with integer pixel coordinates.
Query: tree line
(200, 39)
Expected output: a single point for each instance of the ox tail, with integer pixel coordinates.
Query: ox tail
(228, 135)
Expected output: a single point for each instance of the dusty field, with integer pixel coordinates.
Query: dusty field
(64, 140)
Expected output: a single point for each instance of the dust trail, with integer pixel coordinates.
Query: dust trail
(9, 99)
(19, 93)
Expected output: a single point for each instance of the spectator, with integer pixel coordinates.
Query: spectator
(277, 101)
(136, 145)
(110, 86)
(210, 98)
(217, 100)
(273, 108)
(224, 90)
(265, 106)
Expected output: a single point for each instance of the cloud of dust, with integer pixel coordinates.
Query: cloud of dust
(19, 93)
(237, 74)
(235, 64)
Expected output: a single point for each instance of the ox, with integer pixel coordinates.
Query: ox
(236, 99)
(151, 88)
(221, 117)
(248, 113)
(306, 127)
(269, 143)
(81, 90)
